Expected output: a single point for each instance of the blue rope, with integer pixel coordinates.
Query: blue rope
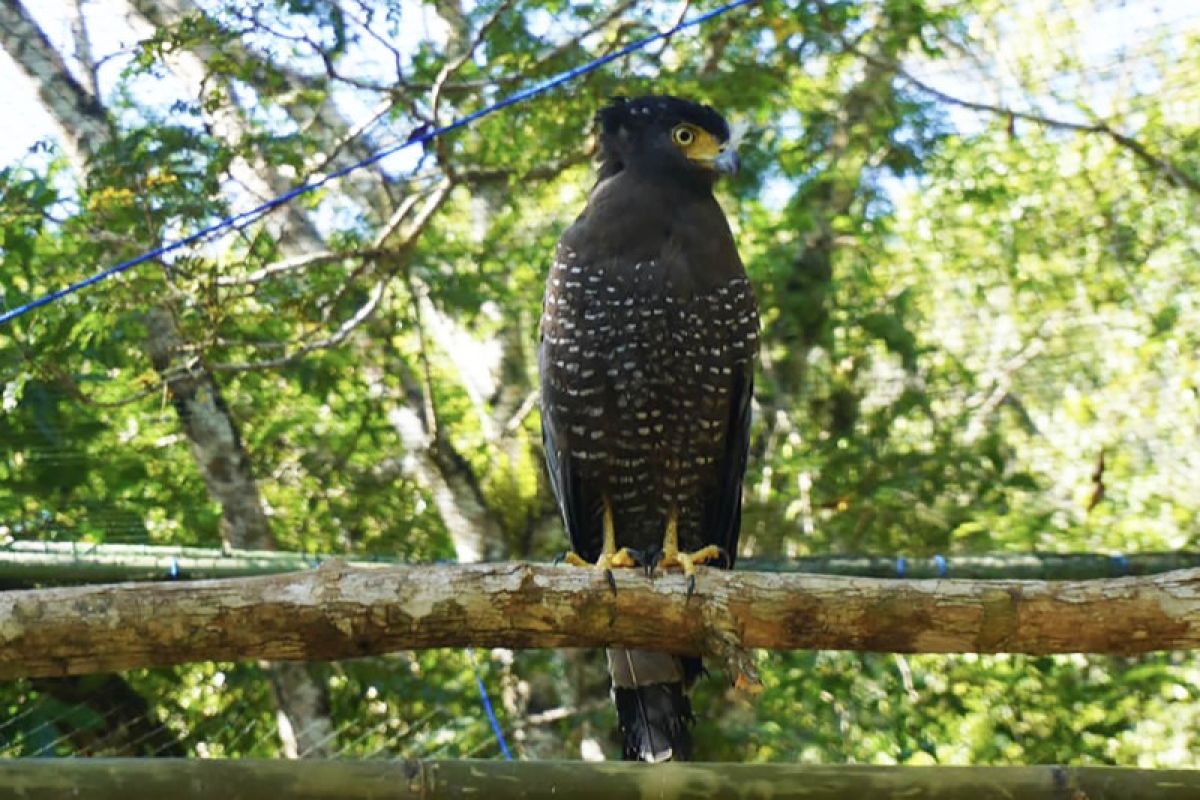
(900, 564)
(939, 561)
(1121, 564)
(419, 137)
(487, 706)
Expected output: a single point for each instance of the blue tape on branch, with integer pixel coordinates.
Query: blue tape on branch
(1120, 564)
(418, 137)
(900, 564)
(487, 706)
(939, 561)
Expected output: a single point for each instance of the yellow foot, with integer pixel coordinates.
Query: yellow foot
(610, 557)
(572, 558)
(621, 559)
(672, 557)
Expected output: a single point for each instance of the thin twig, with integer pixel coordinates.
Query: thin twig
(449, 69)
(679, 18)
(294, 264)
(1160, 164)
(365, 312)
(526, 408)
(368, 309)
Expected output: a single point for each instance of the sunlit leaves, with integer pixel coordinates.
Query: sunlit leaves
(957, 324)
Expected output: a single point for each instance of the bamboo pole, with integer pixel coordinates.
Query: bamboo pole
(338, 611)
(181, 779)
(82, 562)
(28, 562)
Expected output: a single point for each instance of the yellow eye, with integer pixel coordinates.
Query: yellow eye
(683, 135)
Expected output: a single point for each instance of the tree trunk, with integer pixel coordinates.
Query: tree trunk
(78, 113)
(212, 432)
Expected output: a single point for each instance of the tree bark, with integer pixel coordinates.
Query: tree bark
(132, 779)
(78, 113)
(212, 434)
(341, 612)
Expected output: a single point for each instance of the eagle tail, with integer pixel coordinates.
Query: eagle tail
(653, 710)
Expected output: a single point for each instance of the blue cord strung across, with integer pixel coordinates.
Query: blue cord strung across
(418, 138)
(487, 706)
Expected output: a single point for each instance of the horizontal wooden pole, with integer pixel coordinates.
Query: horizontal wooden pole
(342, 612)
(179, 779)
(31, 562)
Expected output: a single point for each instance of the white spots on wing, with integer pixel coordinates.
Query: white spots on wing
(639, 379)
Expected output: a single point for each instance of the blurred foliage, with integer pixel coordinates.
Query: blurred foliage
(965, 315)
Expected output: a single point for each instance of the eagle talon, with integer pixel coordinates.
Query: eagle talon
(572, 558)
(612, 581)
(725, 561)
(653, 562)
(624, 558)
(671, 556)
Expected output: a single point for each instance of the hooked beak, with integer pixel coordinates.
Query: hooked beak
(726, 162)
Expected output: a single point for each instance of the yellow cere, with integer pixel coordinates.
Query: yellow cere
(696, 143)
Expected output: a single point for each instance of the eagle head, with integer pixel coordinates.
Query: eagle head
(660, 134)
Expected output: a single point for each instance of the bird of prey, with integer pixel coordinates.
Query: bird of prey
(649, 337)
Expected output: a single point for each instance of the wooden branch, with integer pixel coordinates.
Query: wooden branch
(24, 563)
(342, 612)
(183, 779)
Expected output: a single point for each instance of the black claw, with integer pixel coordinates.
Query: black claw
(612, 581)
(726, 561)
(653, 563)
(558, 559)
(691, 586)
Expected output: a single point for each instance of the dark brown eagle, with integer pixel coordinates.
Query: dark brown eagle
(649, 336)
